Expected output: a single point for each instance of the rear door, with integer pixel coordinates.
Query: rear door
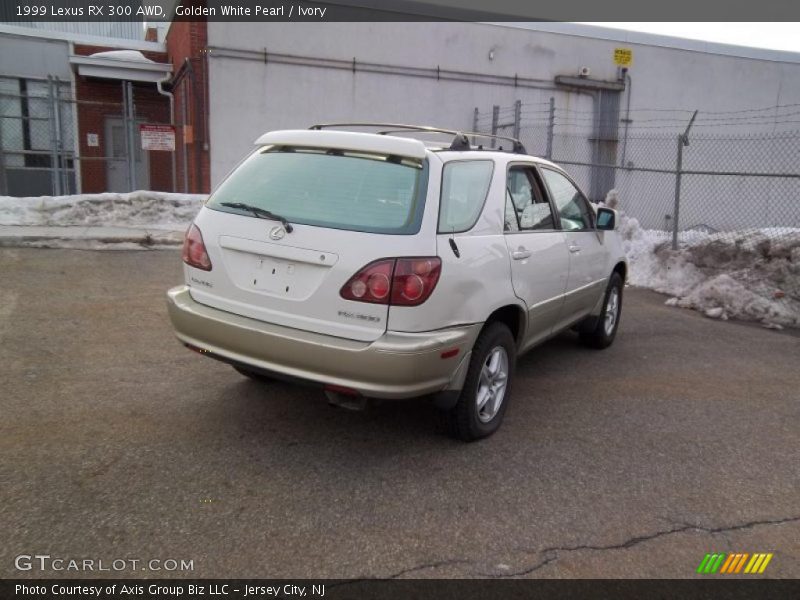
(587, 255)
(537, 250)
(346, 209)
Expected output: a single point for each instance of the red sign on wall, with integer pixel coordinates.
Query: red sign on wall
(157, 137)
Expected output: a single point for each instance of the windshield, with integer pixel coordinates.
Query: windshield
(329, 188)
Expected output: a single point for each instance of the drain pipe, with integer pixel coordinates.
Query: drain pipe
(160, 87)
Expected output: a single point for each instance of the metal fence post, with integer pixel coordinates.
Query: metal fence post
(132, 136)
(677, 207)
(551, 122)
(54, 172)
(127, 132)
(129, 122)
(683, 140)
(3, 181)
(495, 122)
(184, 126)
(62, 161)
(517, 118)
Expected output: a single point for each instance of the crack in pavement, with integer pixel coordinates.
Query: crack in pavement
(432, 565)
(553, 553)
(419, 567)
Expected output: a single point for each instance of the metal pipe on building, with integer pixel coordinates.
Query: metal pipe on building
(382, 68)
(171, 96)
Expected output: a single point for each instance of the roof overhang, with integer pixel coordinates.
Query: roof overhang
(126, 70)
(589, 84)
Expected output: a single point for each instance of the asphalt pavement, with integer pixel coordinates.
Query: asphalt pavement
(681, 439)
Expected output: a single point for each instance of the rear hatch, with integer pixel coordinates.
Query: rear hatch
(343, 208)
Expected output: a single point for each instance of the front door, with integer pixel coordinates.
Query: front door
(117, 163)
(538, 251)
(587, 256)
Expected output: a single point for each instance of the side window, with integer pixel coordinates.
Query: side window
(464, 188)
(512, 221)
(526, 207)
(573, 210)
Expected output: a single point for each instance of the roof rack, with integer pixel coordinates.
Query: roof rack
(460, 140)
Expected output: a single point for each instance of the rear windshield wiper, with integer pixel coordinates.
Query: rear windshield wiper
(261, 213)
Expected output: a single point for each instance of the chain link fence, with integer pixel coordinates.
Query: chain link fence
(37, 137)
(43, 152)
(675, 171)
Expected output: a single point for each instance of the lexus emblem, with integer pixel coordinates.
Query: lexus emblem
(277, 233)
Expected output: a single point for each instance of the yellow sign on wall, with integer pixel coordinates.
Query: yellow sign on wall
(623, 57)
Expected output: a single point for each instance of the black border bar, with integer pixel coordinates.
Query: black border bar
(12, 11)
(712, 587)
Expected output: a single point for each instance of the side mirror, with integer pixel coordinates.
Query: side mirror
(606, 219)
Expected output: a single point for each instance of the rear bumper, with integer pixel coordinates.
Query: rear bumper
(397, 365)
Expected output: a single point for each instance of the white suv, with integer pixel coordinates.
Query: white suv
(376, 265)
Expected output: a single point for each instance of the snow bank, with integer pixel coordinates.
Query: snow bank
(129, 55)
(752, 274)
(153, 210)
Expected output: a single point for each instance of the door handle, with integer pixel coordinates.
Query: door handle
(574, 248)
(520, 254)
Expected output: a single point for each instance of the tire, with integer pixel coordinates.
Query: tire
(600, 331)
(494, 352)
(254, 375)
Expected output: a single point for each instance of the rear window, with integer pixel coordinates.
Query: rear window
(330, 188)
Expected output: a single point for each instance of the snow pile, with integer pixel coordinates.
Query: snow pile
(151, 210)
(752, 274)
(129, 55)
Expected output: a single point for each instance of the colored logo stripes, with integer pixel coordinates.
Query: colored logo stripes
(733, 563)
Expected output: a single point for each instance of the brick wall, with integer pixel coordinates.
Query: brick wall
(186, 46)
(98, 99)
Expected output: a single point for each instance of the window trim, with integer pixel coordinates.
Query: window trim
(587, 204)
(545, 192)
(439, 230)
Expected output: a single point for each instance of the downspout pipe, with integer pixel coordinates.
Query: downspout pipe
(160, 87)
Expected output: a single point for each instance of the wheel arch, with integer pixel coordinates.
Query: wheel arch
(622, 268)
(513, 316)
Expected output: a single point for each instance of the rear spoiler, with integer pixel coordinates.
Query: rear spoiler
(345, 140)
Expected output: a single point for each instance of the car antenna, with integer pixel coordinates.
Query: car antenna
(453, 246)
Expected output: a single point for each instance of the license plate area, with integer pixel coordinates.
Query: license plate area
(274, 275)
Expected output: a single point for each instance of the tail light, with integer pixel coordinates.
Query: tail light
(394, 281)
(194, 250)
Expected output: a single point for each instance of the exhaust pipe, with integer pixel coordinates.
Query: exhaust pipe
(346, 398)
